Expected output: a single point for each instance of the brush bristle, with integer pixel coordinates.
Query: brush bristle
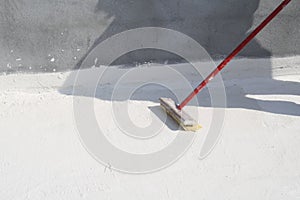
(181, 117)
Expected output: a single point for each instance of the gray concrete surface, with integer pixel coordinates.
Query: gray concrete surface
(56, 35)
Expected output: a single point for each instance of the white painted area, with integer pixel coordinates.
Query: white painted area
(258, 156)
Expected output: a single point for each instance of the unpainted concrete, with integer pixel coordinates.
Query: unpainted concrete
(56, 35)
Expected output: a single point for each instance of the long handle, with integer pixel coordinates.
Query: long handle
(233, 54)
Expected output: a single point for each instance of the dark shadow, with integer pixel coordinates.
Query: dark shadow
(217, 25)
(236, 97)
(206, 23)
(158, 111)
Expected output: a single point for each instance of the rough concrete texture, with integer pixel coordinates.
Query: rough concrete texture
(56, 35)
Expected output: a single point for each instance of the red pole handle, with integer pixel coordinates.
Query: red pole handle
(233, 54)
